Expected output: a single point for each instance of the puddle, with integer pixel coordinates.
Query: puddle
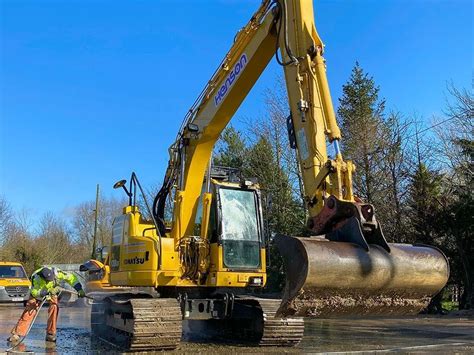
(423, 334)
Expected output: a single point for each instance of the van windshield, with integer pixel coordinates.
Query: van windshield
(12, 272)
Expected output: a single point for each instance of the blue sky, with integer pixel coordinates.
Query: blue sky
(92, 90)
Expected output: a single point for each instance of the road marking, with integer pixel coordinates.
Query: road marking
(417, 347)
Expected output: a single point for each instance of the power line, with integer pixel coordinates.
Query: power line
(431, 127)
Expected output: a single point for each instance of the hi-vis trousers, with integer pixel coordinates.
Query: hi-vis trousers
(29, 313)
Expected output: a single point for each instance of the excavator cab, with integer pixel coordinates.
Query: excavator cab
(232, 225)
(236, 224)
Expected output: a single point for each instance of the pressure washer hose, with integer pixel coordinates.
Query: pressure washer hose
(76, 293)
(29, 328)
(36, 315)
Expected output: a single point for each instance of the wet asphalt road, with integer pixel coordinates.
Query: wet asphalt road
(408, 335)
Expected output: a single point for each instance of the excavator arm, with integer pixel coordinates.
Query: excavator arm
(350, 263)
(288, 27)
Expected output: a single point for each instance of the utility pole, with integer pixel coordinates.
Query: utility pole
(96, 213)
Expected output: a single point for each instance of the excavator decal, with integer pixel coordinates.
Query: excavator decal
(234, 73)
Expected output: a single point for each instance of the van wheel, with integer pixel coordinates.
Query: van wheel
(24, 303)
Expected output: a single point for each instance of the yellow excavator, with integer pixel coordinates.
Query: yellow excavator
(206, 258)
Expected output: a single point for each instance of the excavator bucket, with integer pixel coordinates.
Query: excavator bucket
(329, 278)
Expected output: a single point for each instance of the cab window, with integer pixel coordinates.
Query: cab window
(240, 235)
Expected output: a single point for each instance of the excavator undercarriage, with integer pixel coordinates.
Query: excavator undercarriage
(137, 323)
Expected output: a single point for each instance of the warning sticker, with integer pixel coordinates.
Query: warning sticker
(302, 144)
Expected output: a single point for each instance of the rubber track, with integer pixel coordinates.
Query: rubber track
(279, 331)
(149, 324)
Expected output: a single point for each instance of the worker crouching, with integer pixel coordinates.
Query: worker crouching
(45, 287)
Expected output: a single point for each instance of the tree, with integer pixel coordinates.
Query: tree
(456, 152)
(360, 116)
(231, 149)
(54, 240)
(83, 222)
(424, 194)
(395, 167)
(461, 226)
(17, 241)
(5, 219)
(264, 158)
(283, 214)
(287, 189)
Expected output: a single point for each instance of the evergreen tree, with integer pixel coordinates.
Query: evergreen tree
(231, 149)
(423, 204)
(463, 228)
(283, 211)
(455, 221)
(262, 163)
(455, 149)
(375, 144)
(360, 117)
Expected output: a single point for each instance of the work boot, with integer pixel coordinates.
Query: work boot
(51, 338)
(14, 338)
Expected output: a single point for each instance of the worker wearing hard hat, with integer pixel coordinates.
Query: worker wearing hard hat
(45, 285)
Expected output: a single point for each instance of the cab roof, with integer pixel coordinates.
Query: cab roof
(10, 263)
